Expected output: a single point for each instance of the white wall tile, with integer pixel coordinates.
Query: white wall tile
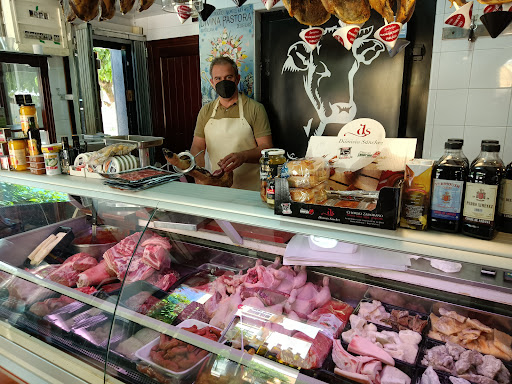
(438, 33)
(431, 106)
(507, 146)
(451, 107)
(501, 42)
(488, 107)
(434, 70)
(440, 134)
(492, 68)
(454, 70)
(473, 136)
(427, 141)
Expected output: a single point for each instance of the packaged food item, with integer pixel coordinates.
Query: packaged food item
(5, 134)
(264, 170)
(505, 205)
(36, 165)
(416, 194)
(315, 195)
(17, 154)
(38, 171)
(276, 160)
(52, 158)
(4, 149)
(448, 177)
(36, 159)
(482, 191)
(4, 163)
(306, 173)
(340, 180)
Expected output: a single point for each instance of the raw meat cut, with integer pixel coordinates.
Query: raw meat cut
(48, 306)
(157, 240)
(156, 256)
(344, 360)
(67, 273)
(164, 281)
(357, 377)
(226, 310)
(365, 347)
(320, 347)
(94, 275)
(331, 317)
(392, 375)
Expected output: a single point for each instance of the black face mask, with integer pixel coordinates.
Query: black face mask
(226, 88)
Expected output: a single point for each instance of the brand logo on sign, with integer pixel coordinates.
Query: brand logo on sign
(329, 213)
(389, 32)
(361, 132)
(492, 8)
(456, 20)
(446, 197)
(480, 195)
(306, 211)
(313, 36)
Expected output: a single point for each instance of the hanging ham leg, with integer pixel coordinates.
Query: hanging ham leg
(405, 10)
(108, 9)
(85, 10)
(383, 7)
(126, 5)
(349, 11)
(145, 4)
(202, 176)
(307, 12)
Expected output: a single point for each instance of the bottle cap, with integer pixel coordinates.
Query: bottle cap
(276, 152)
(453, 145)
(490, 142)
(490, 147)
(457, 140)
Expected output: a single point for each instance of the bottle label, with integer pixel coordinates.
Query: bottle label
(480, 202)
(505, 206)
(447, 199)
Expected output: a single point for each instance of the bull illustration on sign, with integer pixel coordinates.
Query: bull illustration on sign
(301, 58)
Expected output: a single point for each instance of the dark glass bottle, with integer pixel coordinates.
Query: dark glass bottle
(505, 204)
(64, 159)
(448, 177)
(76, 145)
(482, 191)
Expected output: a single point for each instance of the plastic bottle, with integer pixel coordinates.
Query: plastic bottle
(505, 204)
(448, 178)
(482, 191)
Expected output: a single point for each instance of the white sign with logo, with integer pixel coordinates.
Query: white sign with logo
(358, 144)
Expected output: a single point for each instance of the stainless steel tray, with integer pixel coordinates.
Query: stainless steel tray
(141, 141)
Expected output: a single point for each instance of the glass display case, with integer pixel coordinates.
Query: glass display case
(102, 286)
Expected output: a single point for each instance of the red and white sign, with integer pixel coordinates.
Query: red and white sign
(507, 7)
(346, 35)
(184, 12)
(269, 3)
(389, 33)
(492, 8)
(312, 36)
(461, 17)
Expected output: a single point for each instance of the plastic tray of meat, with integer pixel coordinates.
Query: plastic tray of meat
(455, 353)
(399, 318)
(381, 328)
(99, 331)
(140, 175)
(140, 296)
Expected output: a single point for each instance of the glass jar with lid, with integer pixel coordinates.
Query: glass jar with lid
(276, 160)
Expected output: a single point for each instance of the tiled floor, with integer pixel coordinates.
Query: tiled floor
(7, 378)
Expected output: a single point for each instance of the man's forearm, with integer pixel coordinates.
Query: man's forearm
(254, 155)
(199, 158)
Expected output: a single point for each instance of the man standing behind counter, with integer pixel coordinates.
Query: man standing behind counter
(233, 128)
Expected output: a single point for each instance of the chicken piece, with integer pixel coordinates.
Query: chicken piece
(372, 370)
(439, 358)
(503, 341)
(362, 346)
(452, 314)
(307, 12)
(126, 6)
(145, 4)
(383, 7)
(489, 367)
(357, 322)
(409, 337)
(466, 360)
(410, 352)
(349, 11)
(417, 324)
(395, 351)
(475, 324)
(429, 377)
(467, 335)
(108, 9)
(392, 375)
(85, 10)
(226, 310)
(446, 325)
(405, 10)
(454, 350)
(202, 176)
(343, 359)
(477, 379)
(357, 377)
(503, 375)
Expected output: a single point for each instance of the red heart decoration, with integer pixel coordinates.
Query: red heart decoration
(313, 35)
(390, 32)
(352, 34)
(456, 20)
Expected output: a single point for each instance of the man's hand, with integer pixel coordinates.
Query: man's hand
(233, 161)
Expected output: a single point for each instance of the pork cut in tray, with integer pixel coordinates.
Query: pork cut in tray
(219, 178)
(349, 11)
(307, 12)
(85, 10)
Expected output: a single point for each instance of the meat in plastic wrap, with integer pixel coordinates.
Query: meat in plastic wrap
(315, 195)
(306, 173)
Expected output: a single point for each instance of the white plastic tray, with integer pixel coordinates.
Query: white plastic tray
(143, 353)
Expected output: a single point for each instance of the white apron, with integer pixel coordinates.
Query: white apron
(225, 136)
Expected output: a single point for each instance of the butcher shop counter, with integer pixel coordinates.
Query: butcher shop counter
(169, 295)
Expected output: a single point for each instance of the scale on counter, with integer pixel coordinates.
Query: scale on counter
(143, 144)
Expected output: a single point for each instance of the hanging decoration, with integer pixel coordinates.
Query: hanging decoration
(496, 18)
(312, 36)
(207, 11)
(269, 3)
(239, 3)
(346, 34)
(462, 16)
(190, 6)
(388, 34)
(183, 11)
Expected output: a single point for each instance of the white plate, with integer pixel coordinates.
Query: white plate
(143, 353)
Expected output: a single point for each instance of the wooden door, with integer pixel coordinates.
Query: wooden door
(175, 91)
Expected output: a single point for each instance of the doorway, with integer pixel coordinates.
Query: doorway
(116, 84)
(175, 91)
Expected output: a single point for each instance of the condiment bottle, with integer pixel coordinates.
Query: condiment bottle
(448, 179)
(34, 138)
(505, 204)
(64, 155)
(276, 160)
(18, 154)
(462, 155)
(264, 174)
(482, 191)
